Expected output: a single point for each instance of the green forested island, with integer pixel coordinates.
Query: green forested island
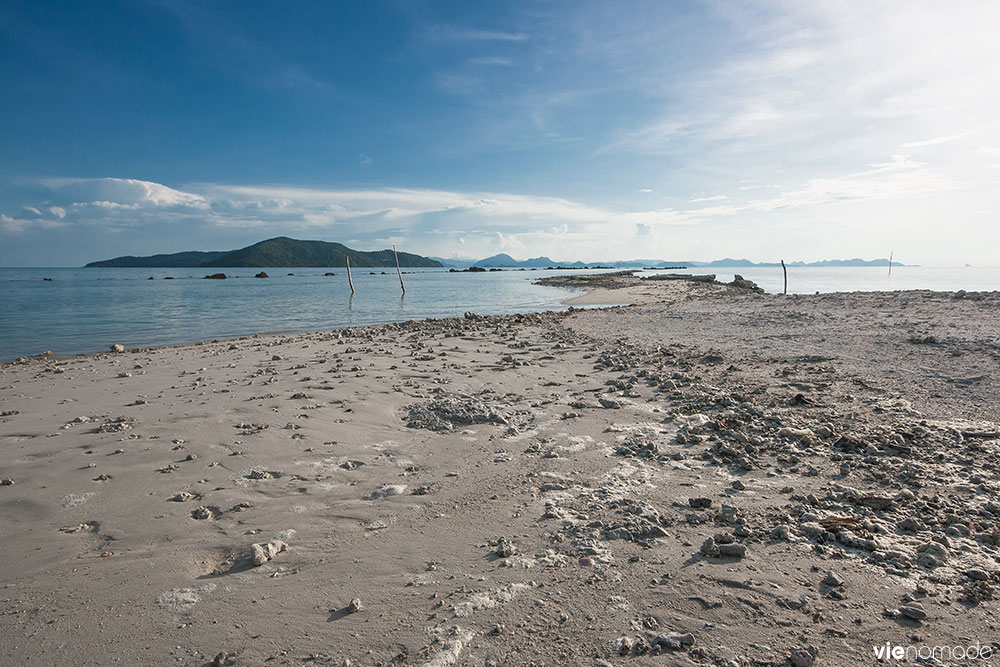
(277, 252)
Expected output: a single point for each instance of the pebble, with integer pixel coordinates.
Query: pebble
(355, 606)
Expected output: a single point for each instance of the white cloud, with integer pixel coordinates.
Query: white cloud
(365, 159)
(713, 198)
(491, 60)
(18, 225)
(450, 33)
(934, 142)
(124, 192)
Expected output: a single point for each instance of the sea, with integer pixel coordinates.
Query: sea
(80, 310)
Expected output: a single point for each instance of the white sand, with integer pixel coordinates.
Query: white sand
(590, 433)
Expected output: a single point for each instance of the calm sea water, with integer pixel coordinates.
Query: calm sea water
(86, 310)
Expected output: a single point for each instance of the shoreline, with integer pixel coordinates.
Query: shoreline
(672, 481)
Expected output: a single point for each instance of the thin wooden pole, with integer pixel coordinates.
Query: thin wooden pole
(785, 271)
(349, 280)
(398, 272)
(890, 262)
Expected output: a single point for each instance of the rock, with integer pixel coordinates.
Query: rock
(609, 403)
(878, 503)
(265, 551)
(742, 283)
(387, 490)
(833, 579)
(505, 548)
(202, 513)
(913, 610)
(781, 532)
(977, 575)
(355, 606)
(6, 481)
(932, 554)
(732, 550)
(182, 497)
(216, 276)
(803, 657)
(675, 641)
(700, 503)
(709, 548)
(262, 274)
(221, 659)
(117, 348)
(789, 432)
(329, 273)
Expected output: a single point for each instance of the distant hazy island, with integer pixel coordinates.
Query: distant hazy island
(507, 262)
(286, 252)
(277, 252)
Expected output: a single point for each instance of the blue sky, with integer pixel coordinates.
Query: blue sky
(612, 130)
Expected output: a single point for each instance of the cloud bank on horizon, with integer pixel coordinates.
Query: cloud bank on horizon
(575, 130)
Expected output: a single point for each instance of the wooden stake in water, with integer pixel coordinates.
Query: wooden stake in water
(398, 272)
(890, 262)
(785, 271)
(349, 280)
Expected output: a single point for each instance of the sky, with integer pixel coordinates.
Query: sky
(578, 130)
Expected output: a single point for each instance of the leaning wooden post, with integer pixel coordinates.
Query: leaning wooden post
(398, 272)
(785, 271)
(890, 262)
(349, 281)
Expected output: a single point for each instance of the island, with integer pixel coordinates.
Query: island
(277, 252)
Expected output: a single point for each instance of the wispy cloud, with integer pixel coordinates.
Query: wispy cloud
(451, 33)
(491, 60)
(934, 142)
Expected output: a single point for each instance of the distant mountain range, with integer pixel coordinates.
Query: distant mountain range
(286, 252)
(277, 252)
(505, 261)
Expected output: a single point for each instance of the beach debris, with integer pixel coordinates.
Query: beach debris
(446, 412)
(262, 552)
(505, 548)
(221, 659)
(6, 481)
(742, 283)
(116, 425)
(913, 611)
(117, 348)
(202, 513)
(386, 491)
(354, 606)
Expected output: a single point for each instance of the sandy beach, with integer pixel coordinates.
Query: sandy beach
(710, 476)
